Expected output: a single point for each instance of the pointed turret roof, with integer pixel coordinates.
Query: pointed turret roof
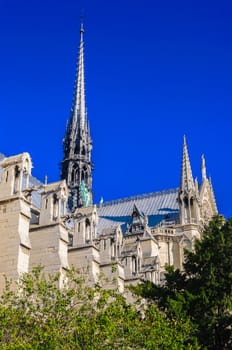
(136, 211)
(213, 195)
(79, 107)
(186, 183)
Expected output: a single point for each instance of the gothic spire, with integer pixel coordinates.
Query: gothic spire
(188, 194)
(76, 164)
(79, 108)
(213, 196)
(187, 183)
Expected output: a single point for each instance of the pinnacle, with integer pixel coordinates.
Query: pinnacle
(187, 182)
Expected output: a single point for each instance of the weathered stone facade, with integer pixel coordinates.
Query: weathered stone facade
(36, 229)
(56, 225)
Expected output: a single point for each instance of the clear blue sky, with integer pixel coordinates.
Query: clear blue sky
(155, 70)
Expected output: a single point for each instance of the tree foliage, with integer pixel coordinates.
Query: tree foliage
(39, 315)
(203, 292)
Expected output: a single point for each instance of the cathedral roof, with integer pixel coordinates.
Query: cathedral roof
(158, 206)
(36, 196)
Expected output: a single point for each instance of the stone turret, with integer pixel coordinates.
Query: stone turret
(49, 238)
(139, 222)
(15, 174)
(53, 202)
(84, 252)
(188, 193)
(110, 253)
(206, 195)
(15, 217)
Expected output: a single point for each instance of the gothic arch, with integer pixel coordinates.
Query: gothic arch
(82, 175)
(74, 173)
(16, 178)
(87, 229)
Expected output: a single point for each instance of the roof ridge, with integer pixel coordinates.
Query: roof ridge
(137, 197)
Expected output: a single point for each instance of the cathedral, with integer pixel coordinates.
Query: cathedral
(57, 225)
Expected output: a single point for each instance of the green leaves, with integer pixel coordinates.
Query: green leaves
(202, 294)
(39, 315)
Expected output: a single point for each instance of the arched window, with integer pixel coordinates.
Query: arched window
(55, 206)
(77, 149)
(134, 264)
(17, 171)
(74, 174)
(62, 207)
(25, 179)
(16, 179)
(87, 229)
(70, 239)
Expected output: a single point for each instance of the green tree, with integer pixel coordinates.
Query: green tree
(203, 292)
(39, 315)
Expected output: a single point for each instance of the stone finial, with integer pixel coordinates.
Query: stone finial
(79, 107)
(196, 185)
(203, 168)
(187, 183)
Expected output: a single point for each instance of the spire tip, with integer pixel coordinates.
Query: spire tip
(203, 167)
(82, 24)
(82, 27)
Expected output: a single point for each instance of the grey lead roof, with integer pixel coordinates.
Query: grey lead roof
(36, 196)
(158, 206)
